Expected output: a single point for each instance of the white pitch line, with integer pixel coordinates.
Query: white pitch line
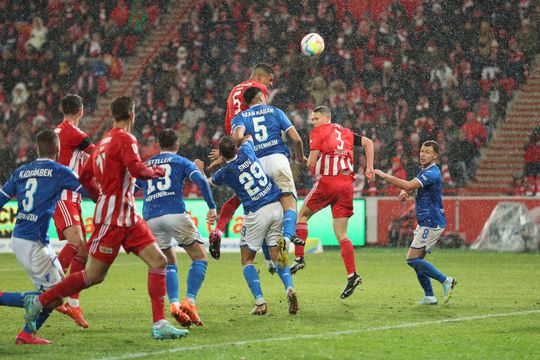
(312, 336)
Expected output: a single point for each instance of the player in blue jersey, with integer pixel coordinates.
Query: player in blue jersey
(266, 124)
(263, 214)
(165, 212)
(38, 186)
(430, 217)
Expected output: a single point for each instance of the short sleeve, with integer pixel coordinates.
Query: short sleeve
(427, 177)
(70, 180)
(129, 150)
(247, 148)
(219, 177)
(238, 121)
(284, 121)
(314, 140)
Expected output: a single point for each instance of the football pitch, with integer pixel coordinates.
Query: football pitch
(494, 312)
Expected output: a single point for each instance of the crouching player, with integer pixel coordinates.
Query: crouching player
(263, 217)
(165, 211)
(431, 220)
(38, 187)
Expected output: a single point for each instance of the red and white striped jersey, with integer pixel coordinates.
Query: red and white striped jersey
(73, 143)
(236, 103)
(336, 145)
(109, 163)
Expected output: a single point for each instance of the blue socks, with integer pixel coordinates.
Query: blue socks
(15, 299)
(285, 276)
(172, 282)
(252, 279)
(289, 224)
(265, 251)
(424, 271)
(195, 278)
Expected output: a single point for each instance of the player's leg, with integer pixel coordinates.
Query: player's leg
(301, 232)
(141, 241)
(424, 240)
(225, 215)
(347, 254)
(272, 236)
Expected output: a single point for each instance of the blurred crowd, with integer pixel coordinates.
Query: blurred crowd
(444, 71)
(528, 182)
(50, 48)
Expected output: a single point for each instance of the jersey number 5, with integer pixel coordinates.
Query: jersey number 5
(261, 133)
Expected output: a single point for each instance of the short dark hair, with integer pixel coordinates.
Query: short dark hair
(323, 110)
(167, 139)
(46, 141)
(71, 104)
(263, 67)
(434, 145)
(227, 147)
(250, 94)
(122, 108)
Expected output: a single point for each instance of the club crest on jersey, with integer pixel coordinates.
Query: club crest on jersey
(77, 218)
(105, 250)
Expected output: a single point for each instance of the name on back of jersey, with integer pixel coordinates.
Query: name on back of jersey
(263, 111)
(36, 173)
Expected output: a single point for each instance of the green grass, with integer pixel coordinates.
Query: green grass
(119, 312)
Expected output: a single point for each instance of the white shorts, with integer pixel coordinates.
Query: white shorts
(171, 227)
(263, 224)
(39, 261)
(425, 237)
(278, 168)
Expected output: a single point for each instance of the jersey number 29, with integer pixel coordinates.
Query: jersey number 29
(253, 180)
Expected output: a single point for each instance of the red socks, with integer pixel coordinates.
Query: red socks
(302, 233)
(347, 253)
(227, 212)
(66, 255)
(73, 284)
(157, 290)
(77, 264)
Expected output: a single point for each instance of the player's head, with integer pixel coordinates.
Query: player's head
(227, 147)
(264, 74)
(72, 106)
(321, 115)
(429, 153)
(168, 140)
(48, 144)
(254, 96)
(123, 109)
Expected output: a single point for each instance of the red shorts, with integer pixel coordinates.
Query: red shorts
(67, 213)
(336, 191)
(105, 242)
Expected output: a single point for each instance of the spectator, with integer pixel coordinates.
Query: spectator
(192, 115)
(38, 36)
(19, 95)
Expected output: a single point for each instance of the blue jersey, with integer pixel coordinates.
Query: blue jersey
(429, 205)
(38, 186)
(245, 175)
(164, 195)
(265, 124)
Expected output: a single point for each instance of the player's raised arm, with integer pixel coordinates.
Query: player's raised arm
(407, 185)
(312, 159)
(370, 153)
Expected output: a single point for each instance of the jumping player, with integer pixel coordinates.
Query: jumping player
(115, 163)
(263, 215)
(74, 147)
(331, 160)
(165, 211)
(38, 186)
(262, 77)
(430, 217)
(265, 124)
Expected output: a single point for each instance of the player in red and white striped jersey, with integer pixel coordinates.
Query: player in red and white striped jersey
(75, 146)
(115, 163)
(261, 77)
(331, 160)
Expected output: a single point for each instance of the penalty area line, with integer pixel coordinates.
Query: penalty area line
(320, 335)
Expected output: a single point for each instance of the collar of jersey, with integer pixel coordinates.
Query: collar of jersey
(43, 159)
(428, 166)
(234, 158)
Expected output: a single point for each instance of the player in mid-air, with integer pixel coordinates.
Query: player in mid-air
(262, 77)
(115, 163)
(430, 217)
(265, 125)
(165, 211)
(263, 215)
(75, 146)
(38, 186)
(331, 160)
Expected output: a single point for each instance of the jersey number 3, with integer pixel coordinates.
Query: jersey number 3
(28, 201)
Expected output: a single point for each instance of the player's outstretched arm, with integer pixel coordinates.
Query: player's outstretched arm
(89, 181)
(312, 159)
(407, 185)
(297, 144)
(370, 153)
(201, 182)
